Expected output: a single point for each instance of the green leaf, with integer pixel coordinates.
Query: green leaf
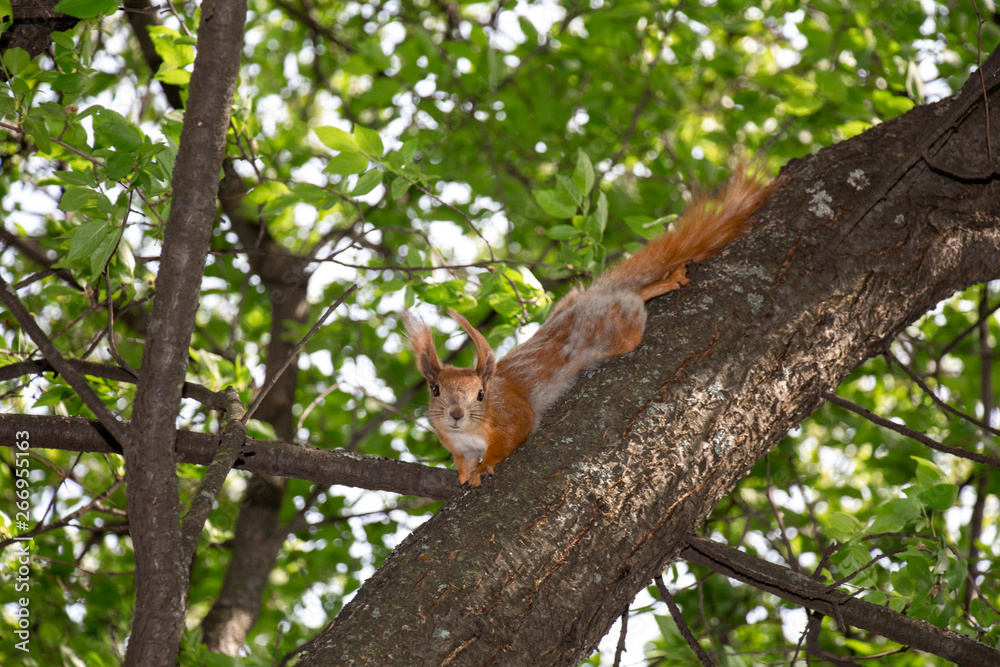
(171, 46)
(875, 597)
(399, 187)
(647, 227)
(337, 139)
(89, 237)
(265, 192)
(367, 183)
(390, 286)
(103, 252)
(76, 197)
(15, 60)
(842, 527)
(85, 9)
(599, 218)
(112, 128)
(173, 76)
(346, 163)
(104, 204)
(556, 203)
(928, 474)
(940, 496)
(77, 177)
(127, 258)
(69, 83)
(368, 141)
(119, 165)
(569, 190)
(562, 232)
(407, 151)
(583, 176)
(38, 131)
(63, 39)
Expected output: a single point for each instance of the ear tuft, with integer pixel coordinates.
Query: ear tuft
(423, 346)
(485, 359)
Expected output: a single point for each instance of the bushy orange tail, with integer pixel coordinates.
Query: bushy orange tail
(704, 229)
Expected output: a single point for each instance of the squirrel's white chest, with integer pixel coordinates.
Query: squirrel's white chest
(468, 444)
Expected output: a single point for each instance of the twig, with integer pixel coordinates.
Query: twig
(312, 404)
(909, 432)
(64, 521)
(792, 560)
(934, 397)
(835, 585)
(112, 348)
(295, 353)
(621, 639)
(233, 436)
(109, 573)
(197, 392)
(972, 327)
(682, 625)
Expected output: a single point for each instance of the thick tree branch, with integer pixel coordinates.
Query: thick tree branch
(162, 573)
(283, 459)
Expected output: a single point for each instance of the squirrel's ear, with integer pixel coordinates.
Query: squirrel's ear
(423, 345)
(485, 359)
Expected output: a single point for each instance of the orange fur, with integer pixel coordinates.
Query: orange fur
(483, 414)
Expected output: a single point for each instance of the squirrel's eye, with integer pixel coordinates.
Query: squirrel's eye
(436, 390)
(481, 395)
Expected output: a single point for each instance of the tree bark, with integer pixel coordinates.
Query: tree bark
(161, 571)
(268, 457)
(857, 242)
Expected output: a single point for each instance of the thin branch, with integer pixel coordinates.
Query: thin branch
(802, 590)
(196, 392)
(885, 554)
(909, 432)
(112, 348)
(234, 435)
(64, 521)
(295, 352)
(972, 327)
(793, 561)
(107, 573)
(934, 397)
(61, 365)
(621, 639)
(682, 625)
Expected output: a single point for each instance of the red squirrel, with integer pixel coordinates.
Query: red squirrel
(483, 414)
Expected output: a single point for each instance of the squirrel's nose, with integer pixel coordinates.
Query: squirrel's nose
(456, 413)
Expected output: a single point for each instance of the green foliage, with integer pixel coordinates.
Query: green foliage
(494, 159)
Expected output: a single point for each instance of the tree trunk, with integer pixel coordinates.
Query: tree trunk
(856, 243)
(161, 571)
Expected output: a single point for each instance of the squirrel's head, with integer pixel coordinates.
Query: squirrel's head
(458, 395)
